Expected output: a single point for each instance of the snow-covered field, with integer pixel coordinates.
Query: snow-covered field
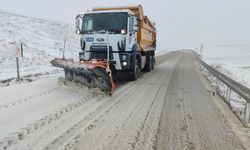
(42, 41)
(233, 60)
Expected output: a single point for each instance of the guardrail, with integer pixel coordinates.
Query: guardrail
(238, 88)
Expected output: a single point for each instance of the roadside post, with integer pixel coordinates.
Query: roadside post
(21, 45)
(18, 50)
(17, 69)
(64, 47)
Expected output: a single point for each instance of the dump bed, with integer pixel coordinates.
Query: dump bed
(146, 35)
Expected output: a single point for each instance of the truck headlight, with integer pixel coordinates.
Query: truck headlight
(124, 63)
(123, 31)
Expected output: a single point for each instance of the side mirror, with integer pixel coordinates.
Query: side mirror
(135, 27)
(78, 23)
(78, 31)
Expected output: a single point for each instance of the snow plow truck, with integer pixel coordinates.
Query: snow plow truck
(113, 39)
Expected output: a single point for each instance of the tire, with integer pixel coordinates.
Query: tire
(135, 71)
(148, 67)
(152, 63)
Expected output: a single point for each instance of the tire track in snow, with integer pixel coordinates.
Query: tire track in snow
(54, 143)
(133, 139)
(149, 131)
(23, 133)
(40, 123)
(84, 123)
(26, 99)
(30, 129)
(104, 130)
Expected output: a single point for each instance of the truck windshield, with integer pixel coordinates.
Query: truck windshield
(103, 22)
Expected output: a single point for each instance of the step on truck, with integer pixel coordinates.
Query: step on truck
(113, 39)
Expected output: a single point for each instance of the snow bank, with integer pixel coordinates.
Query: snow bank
(42, 41)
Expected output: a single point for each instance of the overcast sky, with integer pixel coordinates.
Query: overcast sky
(180, 23)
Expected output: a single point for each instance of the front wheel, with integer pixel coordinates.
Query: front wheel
(135, 71)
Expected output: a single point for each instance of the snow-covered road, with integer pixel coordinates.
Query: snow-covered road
(171, 107)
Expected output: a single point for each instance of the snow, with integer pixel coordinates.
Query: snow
(159, 53)
(42, 41)
(25, 110)
(233, 61)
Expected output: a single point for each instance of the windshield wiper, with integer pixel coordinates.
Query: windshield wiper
(88, 31)
(101, 31)
(116, 31)
(110, 31)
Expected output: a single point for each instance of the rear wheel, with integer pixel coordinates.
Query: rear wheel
(148, 66)
(152, 62)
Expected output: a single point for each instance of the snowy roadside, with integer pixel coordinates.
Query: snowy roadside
(42, 41)
(232, 61)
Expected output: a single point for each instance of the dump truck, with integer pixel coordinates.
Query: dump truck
(113, 39)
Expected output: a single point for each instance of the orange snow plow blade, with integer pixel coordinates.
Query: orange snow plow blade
(93, 73)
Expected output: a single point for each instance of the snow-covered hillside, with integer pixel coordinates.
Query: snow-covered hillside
(43, 40)
(233, 60)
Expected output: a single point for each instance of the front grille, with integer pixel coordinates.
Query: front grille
(100, 52)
